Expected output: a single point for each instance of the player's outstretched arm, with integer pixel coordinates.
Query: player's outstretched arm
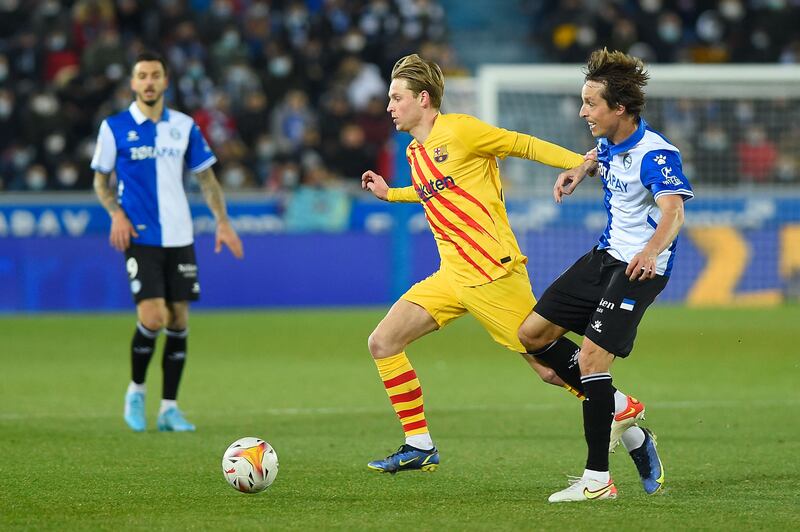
(643, 264)
(215, 199)
(121, 228)
(376, 184)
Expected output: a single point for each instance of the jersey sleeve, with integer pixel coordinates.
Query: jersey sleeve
(662, 173)
(487, 140)
(105, 152)
(198, 153)
(403, 195)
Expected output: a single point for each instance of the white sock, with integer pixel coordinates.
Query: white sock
(633, 438)
(620, 402)
(420, 441)
(166, 404)
(133, 387)
(600, 476)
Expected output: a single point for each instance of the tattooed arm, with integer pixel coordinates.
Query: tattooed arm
(215, 199)
(121, 227)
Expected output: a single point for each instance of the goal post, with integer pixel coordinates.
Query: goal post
(738, 129)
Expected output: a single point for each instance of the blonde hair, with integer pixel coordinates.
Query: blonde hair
(421, 75)
(624, 77)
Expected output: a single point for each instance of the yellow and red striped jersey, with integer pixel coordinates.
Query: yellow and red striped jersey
(455, 176)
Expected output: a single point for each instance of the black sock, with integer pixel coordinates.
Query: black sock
(562, 357)
(144, 341)
(172, 361)
(598, 411)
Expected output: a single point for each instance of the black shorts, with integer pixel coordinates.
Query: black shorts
(170, 273)
(596, 299)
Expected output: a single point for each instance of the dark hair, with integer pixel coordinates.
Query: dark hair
(624, 76)
(149, 55)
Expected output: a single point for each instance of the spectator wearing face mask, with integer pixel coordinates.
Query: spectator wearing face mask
(280, 72)
(42, 116)
(69, 177)
(227, 50)
(758, 155)
(34, 179)
(59, 60)
(290, 120)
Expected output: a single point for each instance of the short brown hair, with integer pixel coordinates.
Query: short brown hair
(624, 77)
(421, 75)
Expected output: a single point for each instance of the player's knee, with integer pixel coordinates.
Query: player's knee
(177, 316)
(550, 377)
(154, 322)
(178, 323)
(374, 345)
(532, 340)
(380, 347)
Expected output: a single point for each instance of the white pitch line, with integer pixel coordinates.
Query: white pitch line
(339, 411)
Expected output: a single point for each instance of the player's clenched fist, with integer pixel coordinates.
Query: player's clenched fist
(375, 183)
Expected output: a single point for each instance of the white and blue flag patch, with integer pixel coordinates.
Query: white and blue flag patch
(627, 304)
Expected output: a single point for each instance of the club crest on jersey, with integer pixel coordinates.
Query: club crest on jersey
(174, 133)
(132, 136)
(440, 154)
(627, 161)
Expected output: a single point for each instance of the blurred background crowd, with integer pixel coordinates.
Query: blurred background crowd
(284, 91)
(293, 92)
(695, 31)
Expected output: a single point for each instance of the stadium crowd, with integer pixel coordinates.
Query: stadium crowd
(677, 31)
(286, 91)
(293, 92)
(764, 135)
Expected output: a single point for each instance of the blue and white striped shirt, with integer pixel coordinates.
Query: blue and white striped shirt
(635, 172)
(150, 159)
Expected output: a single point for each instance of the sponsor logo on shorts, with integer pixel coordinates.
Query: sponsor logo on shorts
(606, 304)
(196, 288)
(188, 270)
(597, 326)
(133, 267)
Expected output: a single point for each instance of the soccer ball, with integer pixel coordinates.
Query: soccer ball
(250, 465)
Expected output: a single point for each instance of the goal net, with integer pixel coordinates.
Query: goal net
(738, 129)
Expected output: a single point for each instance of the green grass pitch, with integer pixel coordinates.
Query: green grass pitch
(722, 389)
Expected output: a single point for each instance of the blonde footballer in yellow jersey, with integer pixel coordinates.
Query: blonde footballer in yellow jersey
(455, 177)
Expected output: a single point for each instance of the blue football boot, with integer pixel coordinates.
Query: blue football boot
(134, 411)
(172, 420)
(651, 471)
(407, 458)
